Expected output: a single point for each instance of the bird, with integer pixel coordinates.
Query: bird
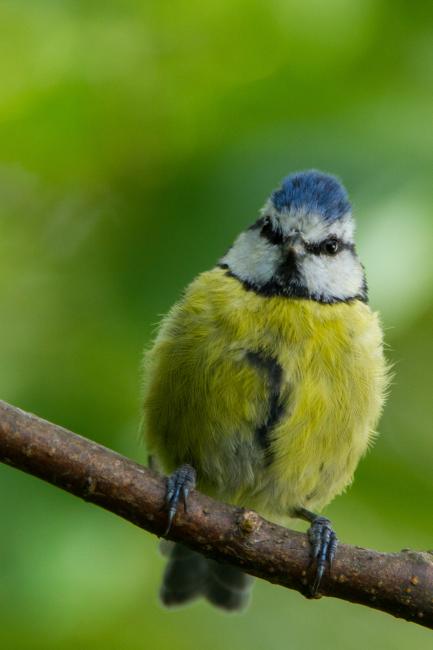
(266, 380)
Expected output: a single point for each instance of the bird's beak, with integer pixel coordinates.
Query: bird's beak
(295, 245)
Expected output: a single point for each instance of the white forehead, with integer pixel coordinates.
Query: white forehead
(312, 226)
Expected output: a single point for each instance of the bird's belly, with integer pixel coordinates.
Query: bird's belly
(318, 442)
(316, 465)
(310, 481)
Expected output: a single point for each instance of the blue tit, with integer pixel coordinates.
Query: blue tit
(266, 380)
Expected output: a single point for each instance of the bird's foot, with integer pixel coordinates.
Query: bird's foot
(179, 485)
(324, 543)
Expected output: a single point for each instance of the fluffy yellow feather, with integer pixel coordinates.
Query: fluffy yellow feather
(205, 398)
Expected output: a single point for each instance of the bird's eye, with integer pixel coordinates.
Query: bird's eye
(331, 246)
(271, 233)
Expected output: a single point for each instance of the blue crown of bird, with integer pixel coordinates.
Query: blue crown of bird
(314, 192)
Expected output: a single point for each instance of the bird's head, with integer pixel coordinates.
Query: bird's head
(303, 243)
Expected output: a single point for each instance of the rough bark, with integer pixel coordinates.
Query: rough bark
(398, 583)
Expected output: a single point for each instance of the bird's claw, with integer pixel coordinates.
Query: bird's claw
(179, 485)
(324, 543)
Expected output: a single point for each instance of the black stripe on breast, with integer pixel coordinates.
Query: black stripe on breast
(270, 366)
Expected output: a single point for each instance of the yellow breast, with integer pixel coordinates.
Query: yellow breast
(203, 400)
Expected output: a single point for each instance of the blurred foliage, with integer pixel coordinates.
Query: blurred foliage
(136, 139)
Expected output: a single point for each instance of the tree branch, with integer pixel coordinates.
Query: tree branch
(398, 583)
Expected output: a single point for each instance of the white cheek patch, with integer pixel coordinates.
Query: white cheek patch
(333, 277)
(252, 258)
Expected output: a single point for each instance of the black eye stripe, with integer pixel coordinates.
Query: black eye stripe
(275, 236)
(323, 248)
(270, 233)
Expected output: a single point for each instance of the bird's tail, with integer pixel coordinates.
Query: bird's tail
(189, 575)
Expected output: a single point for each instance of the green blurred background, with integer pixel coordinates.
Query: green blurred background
(136, 139)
